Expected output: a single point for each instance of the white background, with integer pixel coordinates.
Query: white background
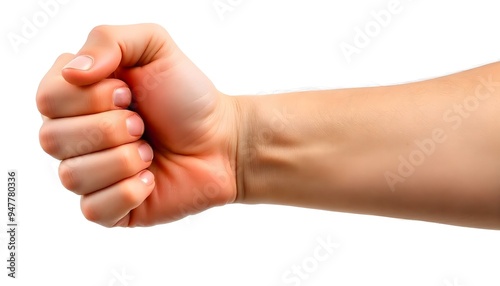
(257, 47)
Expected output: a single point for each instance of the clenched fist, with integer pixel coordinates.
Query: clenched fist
(143, 135)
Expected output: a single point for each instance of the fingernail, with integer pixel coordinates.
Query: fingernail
(145, 152)
(146, 177)
(122, 97)
(80, 63)
(134, 125)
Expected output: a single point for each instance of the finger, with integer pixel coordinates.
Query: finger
(74, 136)
(92, 172)
(111, 205)
(110, 47)
(56, 97)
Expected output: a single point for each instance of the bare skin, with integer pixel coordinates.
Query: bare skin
(426, 150)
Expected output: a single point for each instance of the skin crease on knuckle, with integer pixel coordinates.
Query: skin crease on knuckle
(88, 210)
(115, 121)
(127, 158)
(46, 100)
(101, 31)
(43, 103)
(68, 175)
(130, 195)
(48, 141)
(101, 94)
(43, 98)
(95, 99)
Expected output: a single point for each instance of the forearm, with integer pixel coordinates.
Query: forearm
(428, 150)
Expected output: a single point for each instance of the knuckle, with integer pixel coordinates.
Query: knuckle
(157, 28)
(115, 128)
(68, 176)
(108, 127)
(130, 196)
(96, 100)
(100, 30)
(48, 141)
(52, 82)
(101, 94)
(88, 210)
(43, 102)
(126, 160)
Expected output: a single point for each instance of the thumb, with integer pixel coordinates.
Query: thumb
(111, 47)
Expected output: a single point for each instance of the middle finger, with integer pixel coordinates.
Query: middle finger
(68, 137)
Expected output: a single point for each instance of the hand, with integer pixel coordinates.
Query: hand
(171, 154)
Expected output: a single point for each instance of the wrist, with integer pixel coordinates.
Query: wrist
(265, 141)
(245, 111)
